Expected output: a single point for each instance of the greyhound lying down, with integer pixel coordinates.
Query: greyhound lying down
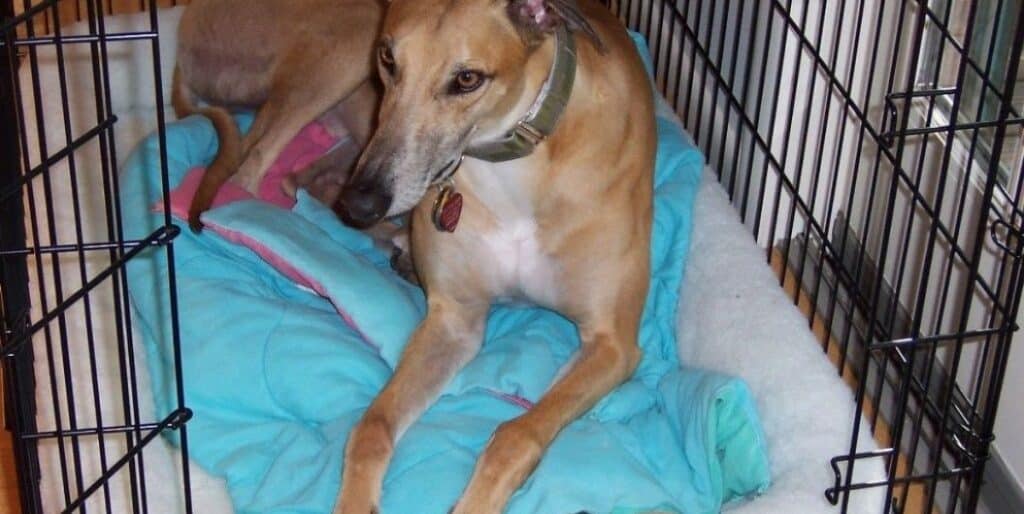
(293, 68)
(519, 135)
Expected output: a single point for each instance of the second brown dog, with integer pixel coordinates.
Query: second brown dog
(295, 62)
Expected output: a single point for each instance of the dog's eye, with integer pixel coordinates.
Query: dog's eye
(387, 59)
(466, 81)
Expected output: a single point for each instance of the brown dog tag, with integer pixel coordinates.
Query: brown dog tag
(447, 209)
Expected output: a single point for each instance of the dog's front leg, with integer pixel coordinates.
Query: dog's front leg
(444, 342)
(312, 79)
(276, 123)
(290, 107)
(606, 358)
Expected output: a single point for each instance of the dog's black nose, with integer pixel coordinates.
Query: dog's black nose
(362, 205)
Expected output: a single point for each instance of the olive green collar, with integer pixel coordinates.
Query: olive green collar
(543, 116)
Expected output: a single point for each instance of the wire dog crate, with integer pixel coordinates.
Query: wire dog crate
(872, 147)
(50, 343)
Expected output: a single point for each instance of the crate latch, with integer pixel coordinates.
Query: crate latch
(1008, 237)
(890, 116)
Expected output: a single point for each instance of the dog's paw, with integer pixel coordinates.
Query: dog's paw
(344, 509)
(194, 223)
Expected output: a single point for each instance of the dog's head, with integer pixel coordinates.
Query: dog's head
(454, 73)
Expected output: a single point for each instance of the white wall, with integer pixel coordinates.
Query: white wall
(1010, 417)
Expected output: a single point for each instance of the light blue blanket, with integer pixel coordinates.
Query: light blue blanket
(277, 378)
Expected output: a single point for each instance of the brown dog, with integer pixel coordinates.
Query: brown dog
(557, 214)
(296, 61)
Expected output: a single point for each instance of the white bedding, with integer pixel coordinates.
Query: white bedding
(733, 318)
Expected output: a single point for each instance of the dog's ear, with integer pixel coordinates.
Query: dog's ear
(537, 17)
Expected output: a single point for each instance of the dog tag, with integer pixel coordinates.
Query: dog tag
(447, 209)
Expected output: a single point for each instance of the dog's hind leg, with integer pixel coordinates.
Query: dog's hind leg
(228, 152)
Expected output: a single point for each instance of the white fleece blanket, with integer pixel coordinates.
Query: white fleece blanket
(733, 318)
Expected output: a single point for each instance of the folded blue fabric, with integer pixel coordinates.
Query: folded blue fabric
(277, 378)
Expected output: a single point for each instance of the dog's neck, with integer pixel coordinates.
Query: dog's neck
(540, 120)
(533, 119)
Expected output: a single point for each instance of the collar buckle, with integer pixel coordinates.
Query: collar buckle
(529, 132)
(543, 115)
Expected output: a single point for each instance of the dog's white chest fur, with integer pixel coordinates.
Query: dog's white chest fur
(513, 255)
(520, 266)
